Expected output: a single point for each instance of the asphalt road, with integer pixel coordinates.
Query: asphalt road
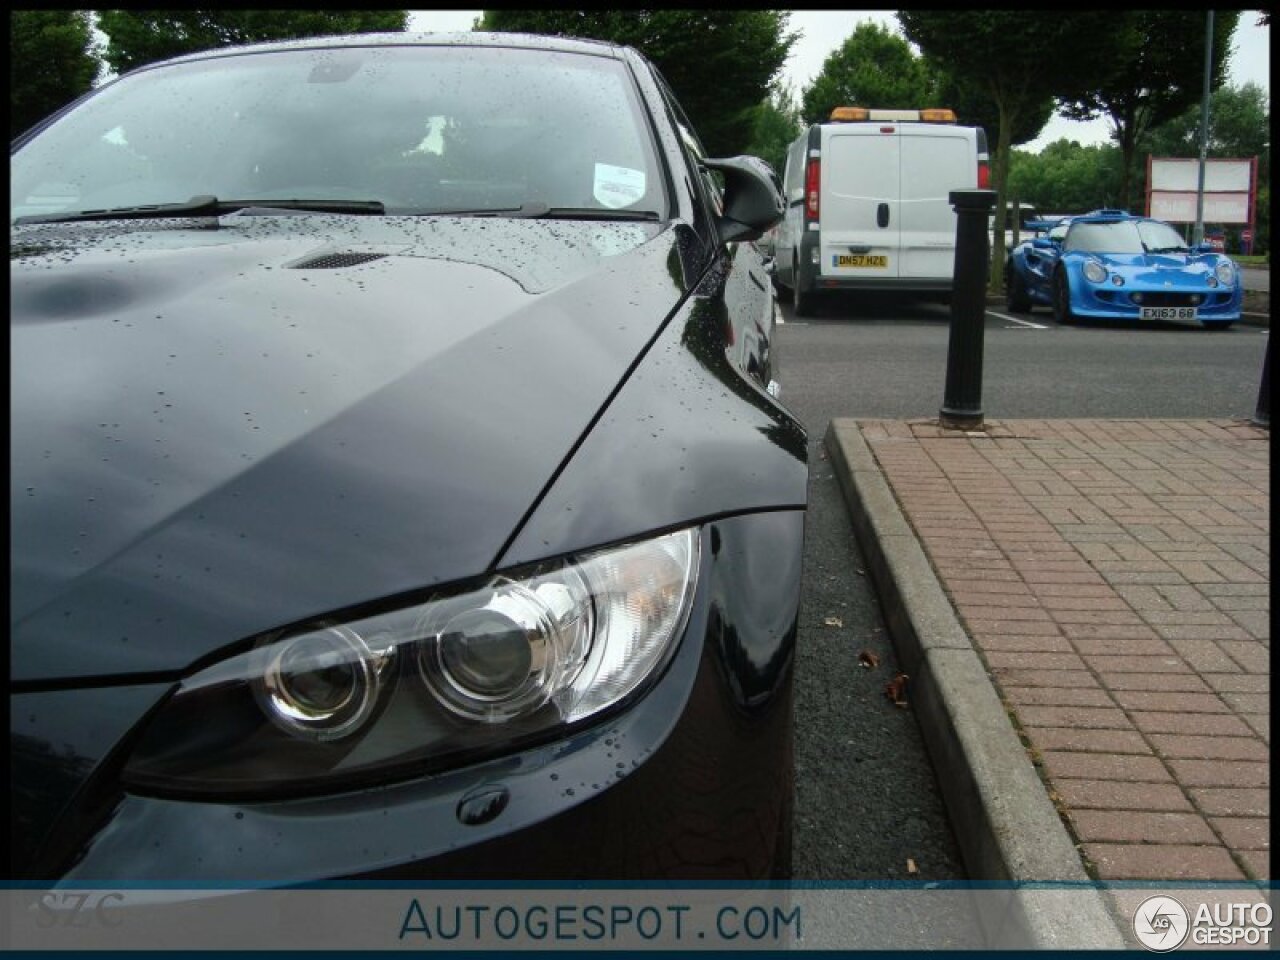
(888, 357)
(866, 795)
(867, 801)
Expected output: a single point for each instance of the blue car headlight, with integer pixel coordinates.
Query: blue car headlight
(1094, 272)
(1225, 271)
(425, 685)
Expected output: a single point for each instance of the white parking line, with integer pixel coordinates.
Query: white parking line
(1025, 323)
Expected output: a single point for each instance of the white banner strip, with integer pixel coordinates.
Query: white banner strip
(802, 918)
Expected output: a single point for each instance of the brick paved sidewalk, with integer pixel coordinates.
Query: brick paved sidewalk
(1115, 578)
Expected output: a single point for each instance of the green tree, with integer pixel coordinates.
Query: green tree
(1239, 126)
(1017, 61)
(874, 67)
(1066, 177)
(1157, 72)
(719, 63)
(139, 37)
(974, 107)
(50, 63)
(776, 125)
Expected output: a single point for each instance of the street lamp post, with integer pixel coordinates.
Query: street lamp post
(1198, 234)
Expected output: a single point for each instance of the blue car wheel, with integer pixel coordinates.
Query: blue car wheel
(1062, 299)
(1017, 298)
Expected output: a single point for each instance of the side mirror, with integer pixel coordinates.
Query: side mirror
(752, 199)
(1043, 243)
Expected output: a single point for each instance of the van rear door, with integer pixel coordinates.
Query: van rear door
(858, 206)
(933, 162)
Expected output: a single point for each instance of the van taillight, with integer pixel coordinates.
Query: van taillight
(811, 189)
(984, 175)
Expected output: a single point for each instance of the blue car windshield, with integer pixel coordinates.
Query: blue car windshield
(1160, 237)
(1123, 236)
(419, 128)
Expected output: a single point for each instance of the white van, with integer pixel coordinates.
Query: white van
(867, 202)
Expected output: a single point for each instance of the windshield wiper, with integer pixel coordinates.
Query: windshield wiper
(595, 213)
(536, 209)
(531, 209)
(206, 206)
(1168, 250)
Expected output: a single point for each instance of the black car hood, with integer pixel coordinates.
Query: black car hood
(221, 427)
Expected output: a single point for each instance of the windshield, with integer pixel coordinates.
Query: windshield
(419, 128)
(1124, 236)
(1160, 237)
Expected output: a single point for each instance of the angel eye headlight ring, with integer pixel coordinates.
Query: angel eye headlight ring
(494, 661)
(320, 685)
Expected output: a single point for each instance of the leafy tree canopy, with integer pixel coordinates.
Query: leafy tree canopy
(138, 37)
(1239, 126)
(1066, 177)
(874, 67)
(975, 108)
(776, 125)
(1155, 75)
(50, 63)
(719, 63)
(1018, 61)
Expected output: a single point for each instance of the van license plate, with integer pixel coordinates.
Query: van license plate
(1168, 313)
(861, 260)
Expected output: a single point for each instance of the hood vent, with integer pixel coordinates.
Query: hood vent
(334, 261)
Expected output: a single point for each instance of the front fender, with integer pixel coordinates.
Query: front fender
(689, 437)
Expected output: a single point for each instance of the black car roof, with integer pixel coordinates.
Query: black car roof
(404, 39)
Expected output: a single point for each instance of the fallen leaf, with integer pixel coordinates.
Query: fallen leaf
(859, 571)
(896, 690)
(833, 622)
(868, 660)
(911, 866)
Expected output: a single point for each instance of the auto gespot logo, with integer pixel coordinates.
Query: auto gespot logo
(1162, 923)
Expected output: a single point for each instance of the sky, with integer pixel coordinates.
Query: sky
(824, 30)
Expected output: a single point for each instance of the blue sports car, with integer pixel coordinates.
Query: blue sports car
(1112, 265)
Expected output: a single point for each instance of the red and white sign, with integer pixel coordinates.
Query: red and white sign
(1218, 207)
(1228, 190)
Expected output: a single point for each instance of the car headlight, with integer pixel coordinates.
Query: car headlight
(1225, 271)
(426, 685)
(1094, 271)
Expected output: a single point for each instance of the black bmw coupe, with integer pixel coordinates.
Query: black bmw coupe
(399, 486)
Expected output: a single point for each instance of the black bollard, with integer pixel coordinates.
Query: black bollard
(962, 400)
(1262, 413)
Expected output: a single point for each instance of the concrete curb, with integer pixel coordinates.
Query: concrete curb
(1007, 828)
